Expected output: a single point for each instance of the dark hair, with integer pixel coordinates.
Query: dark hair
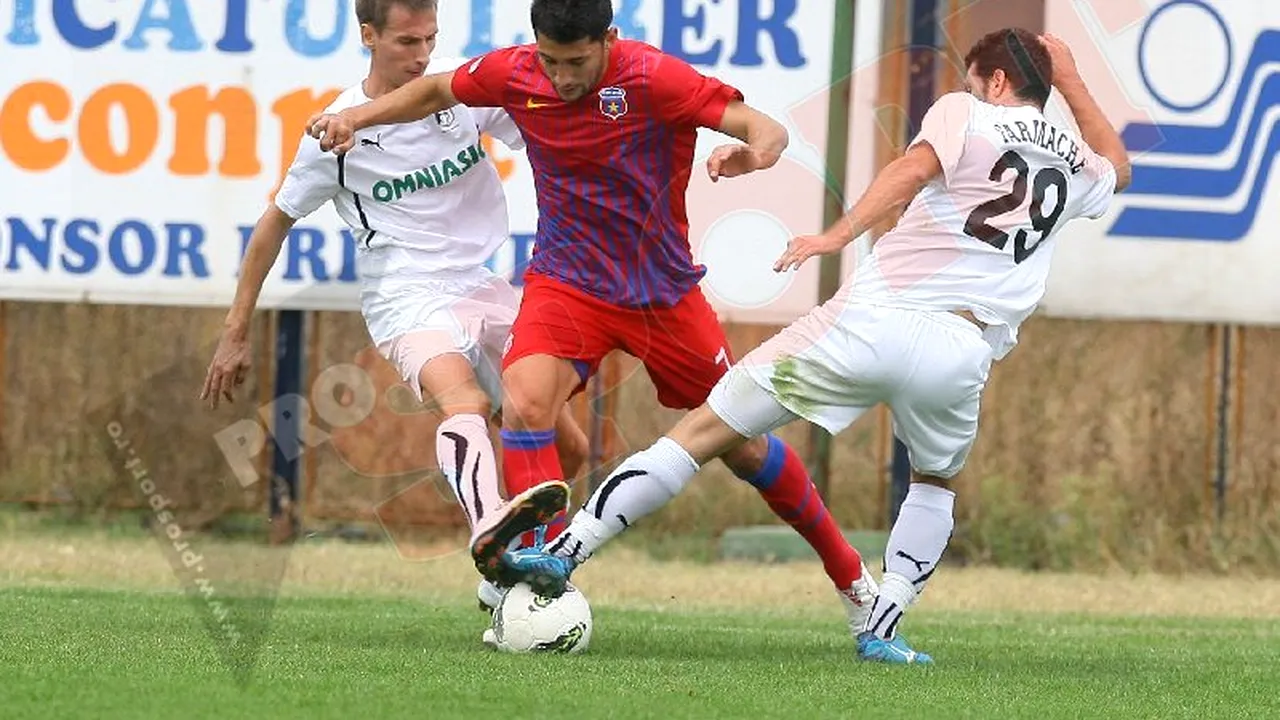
(568, 21)
(374, 12)
(1022, 57)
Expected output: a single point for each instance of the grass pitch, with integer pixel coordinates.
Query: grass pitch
(98, 627)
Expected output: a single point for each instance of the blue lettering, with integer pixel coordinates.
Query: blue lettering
(235, 36)
(751, 25)
(24, 24)
(675, 23)
(146, 243)
(348, 273)
(177, 20)
(627, 23)
(305, 244)
(185, 240)
(20, 235)
(79, 237)
(481, 40)
(246, 233)
(75, 32)
(295, 29)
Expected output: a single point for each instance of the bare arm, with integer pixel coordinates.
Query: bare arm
(765, 137)
(232, 358)
(414, 100)
(264, 247)
(893, 188)
(1095, 129)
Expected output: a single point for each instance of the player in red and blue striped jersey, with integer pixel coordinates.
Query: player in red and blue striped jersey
(610, 126)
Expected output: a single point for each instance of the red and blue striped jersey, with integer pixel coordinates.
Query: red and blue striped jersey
(611, 168)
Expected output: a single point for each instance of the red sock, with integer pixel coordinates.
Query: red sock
(785, 485)
(529, 457)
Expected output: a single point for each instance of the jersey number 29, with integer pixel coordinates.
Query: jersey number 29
(1041, 222)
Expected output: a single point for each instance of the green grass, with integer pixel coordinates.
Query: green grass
(81, 653)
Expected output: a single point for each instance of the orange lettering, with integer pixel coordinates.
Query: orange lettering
(193, 108)
(20, 144)
(506, 165)
(141, 118)
(294, 110)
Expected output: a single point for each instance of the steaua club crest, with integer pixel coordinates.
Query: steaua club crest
(613, 102)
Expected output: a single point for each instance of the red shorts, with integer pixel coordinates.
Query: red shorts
(682, 347)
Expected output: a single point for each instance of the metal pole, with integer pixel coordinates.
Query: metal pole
(287, 429)
(1223, 426)
(833, 206)
(920, 93)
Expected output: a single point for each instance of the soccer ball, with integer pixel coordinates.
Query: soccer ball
(526, 622)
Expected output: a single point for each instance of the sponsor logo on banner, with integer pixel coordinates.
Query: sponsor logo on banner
(1193, 178)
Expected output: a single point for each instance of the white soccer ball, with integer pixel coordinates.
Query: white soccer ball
(526, 622)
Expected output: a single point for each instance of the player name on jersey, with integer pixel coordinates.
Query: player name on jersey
(431, 176)
(1045, 135)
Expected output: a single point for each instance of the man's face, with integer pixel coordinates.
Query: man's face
(575, 68)
(403, 48)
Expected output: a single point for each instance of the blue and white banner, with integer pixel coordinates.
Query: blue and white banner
(1195, 86)
(143, 138)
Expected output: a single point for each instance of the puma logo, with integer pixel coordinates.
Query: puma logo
(376, 142)
(918, 563)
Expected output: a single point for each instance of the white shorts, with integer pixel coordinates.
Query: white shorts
(839, 361)
(414, 320)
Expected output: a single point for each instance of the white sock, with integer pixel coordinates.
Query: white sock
(464, 450)
(645, 482)
(916, 543)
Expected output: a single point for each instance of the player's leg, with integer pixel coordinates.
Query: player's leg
(688, 356)
(936, 416)
(446, 376)
(556, 343)
(572, 447)
(648, 480)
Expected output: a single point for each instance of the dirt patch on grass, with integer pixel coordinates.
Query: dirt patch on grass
(626, 578)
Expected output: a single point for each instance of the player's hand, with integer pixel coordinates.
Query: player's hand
(733, 160)
(1064, 64)
(805, 247)
(335, 132)
(230, 367)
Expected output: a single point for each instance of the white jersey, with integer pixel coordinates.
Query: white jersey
(423, 193)
(981, 235)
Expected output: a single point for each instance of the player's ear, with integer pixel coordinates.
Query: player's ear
(367, 35)
(996, 85)
(610, 35)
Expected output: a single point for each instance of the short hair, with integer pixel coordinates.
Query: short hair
(375, 12)
(568, 21)
(1022, 57)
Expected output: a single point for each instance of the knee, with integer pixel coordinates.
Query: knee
(748, 460)
(463, 402)
(530, 402)
(935, 480)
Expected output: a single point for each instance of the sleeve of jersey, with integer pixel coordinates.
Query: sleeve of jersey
(496, 122)
(483, 81)
(312, 181)
(1100, 175)
(945, 128)
(685, 96)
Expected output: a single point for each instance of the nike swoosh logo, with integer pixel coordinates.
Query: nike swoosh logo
(532, 105)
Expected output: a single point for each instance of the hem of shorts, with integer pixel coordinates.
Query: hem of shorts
(766, 384)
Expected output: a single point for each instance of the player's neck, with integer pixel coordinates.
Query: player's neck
(376, 86)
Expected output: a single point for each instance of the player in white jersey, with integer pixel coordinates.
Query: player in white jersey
(988, 183)
(428, 210)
